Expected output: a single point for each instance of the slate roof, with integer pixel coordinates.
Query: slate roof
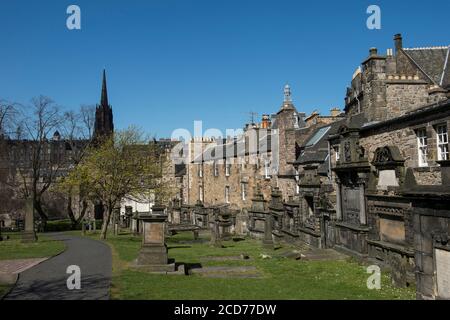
(434, 62)
(225, 149)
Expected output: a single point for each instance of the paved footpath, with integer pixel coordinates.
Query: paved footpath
(48, 280)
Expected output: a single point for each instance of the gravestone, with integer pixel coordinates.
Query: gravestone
(153, 254)
(215, 230)
(29, 235)
(443, 273)
(136, 224)
(268, 239)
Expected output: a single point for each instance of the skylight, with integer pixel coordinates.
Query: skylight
(317, 136)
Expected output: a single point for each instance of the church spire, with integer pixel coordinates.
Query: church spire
(104, 125)
(104, 98)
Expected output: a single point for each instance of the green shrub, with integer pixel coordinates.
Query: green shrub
(60, 225)
(66, 225)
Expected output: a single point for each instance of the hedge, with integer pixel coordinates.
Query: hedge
(66, 225)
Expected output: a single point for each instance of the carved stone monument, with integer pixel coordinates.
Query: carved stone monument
(257, 214)
(215, 231)
(268, 239)
(443, 273)
(135, 224)
(29, 234)
(153, 254)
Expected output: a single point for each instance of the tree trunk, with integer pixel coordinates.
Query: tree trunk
(40, 211)
(70, 213)
(105, 224)
(84, 206)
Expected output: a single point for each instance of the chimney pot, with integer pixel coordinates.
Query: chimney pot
(398, 41)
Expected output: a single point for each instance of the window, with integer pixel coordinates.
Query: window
(200, 193)
(227, 194)
(227, 169)
(200, 170)
(267, 169)
(244, 191)
(216, 169)
(297, 189)
(336, 152)
(442, 142)
(317, 136)
(422, 145)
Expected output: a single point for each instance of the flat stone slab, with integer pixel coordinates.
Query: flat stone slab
(17, 266)
(324, 254)
(228, 272)
(160, 269)
(312, 255)
(227, 258)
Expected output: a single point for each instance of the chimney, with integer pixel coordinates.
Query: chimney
(265, 123)
(335, 112)
(398, 42)
(389, 53)
(373, 52)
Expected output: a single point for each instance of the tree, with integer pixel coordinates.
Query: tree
(39, 163)
(87, 114)
(8, 113)
(121, 165)
(77, 131)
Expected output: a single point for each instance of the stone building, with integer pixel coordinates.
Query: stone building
(372, 182)
(397, 127)
(229, 171)
(226, 171)
(58, 155)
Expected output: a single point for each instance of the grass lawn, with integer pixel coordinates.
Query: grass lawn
(15, 249)
(282, 278)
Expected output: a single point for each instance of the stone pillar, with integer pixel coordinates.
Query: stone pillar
(362, 205)
(136, 224)
(338, 200)
(153, 252)
(268, 239)
(29, 235)
(215, 230)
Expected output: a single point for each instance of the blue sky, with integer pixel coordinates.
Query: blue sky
(170, 62)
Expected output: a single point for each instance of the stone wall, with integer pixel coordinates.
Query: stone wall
(406, 140)
(402, 97)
